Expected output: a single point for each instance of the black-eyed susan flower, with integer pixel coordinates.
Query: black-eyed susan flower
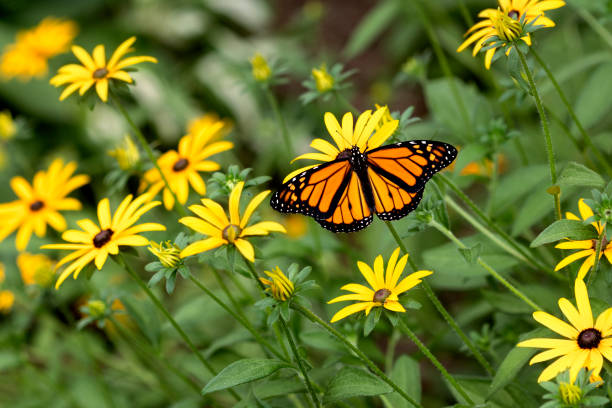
(169, 262)
(323, 80)
(39, 203)
(587, 247)
(28, 56)
(565, 394)
(7, 299)
(96, 70)
(506, 23)
(166, 252)
(212, 221)
(363, 135)
(182, 168)
(260, 68)
(278, 285)
(586, 341)
(384, 287)
(36, 269)
(96, 241)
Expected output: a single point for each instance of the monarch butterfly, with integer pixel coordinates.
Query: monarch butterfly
(362, 178)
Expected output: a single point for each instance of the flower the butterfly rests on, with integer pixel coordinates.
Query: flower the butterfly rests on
(360, 177)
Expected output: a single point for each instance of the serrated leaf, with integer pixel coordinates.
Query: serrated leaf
(576, 174)
(354, 382)
(243, 371)
(558, 230)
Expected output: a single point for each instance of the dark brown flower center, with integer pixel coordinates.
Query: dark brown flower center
(102, 238)
(514, 14)
(589, 338)
(180, 165)
(231, 232)
(100, 73)
(37, 205)
(381, 295)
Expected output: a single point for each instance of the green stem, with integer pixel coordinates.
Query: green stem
(368, 363)
(298, 360)
(227, 292)
(532, 260)
(486, 266)
(168, 316)
(595, 25)
(442, 60)
(465, 13)
(440, 308)
(570, 110)
(427, 353)
(598, 254)
(240, 319)
(280, 119)
(549, 147)
(143, 142)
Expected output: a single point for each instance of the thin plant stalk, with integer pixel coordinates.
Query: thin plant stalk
(436, 363)
(486, 266)
(545, 129)
(143, 142)
(280, 119)
(440, 308)
(598, 247)
(167, 314)
(571, 112)
(595, 24)
(360, 354)
(300, 363)
(240, 319)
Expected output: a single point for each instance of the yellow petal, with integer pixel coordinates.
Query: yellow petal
(546, 343)
(104, 215)
(586, 266)
(200, 226)
(356, 288)
(558, 366)
(553, 353)
(99, 58)
(585, 244)
(367, 273)
(84, 57)
(352, 296)
(583, 303)
(334, 129)
(102, 89)
(572, 315)
(604, 322)
(253, 204)
(379, 271)
(121, 50)
(394, 306)
(573, 257)
(234, 204)
(262, 228)
(349, 310)
(202, 246)
(555, 324)
(246, 249)
(100, 259)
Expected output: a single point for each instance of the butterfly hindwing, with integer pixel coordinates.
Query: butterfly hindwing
(315, 192)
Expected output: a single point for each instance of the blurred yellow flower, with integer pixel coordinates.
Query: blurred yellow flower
(213, 222)
(182, 168)
(95, 69)
(7, 126)
(126, 153)
(296, 225)
(28, 56)
(587, 341)
(323, 80)
(7, 299)
(385, 288)
(197, 125)
(166, 252)
(279, 285)
(39, 203)
(2, 272)
(587, 247)
(36, 269)
(504, 22)
(261, 69)
(96, 241)
(484, 167)
(365, 136)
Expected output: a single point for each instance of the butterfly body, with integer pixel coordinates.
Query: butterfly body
(343, 194)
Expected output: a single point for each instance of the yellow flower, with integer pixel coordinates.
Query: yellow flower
(36, 269)
(182, 168)
(7, 126)
(587, 247)
(261, 69)
(39, 203)
(96, 241)
(296, 226)
(97, 70)
(484, 167)
(207, 120)
(167, 253)
(364, 136)
(7, 298)
(570, 393)
(385, 288)
(386, 117)
(504, 23)
(587, 341)
(126, 153)
(278, 285)
(28, 56)
(213, 222)
(323, 80)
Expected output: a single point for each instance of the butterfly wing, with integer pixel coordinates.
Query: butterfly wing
(398, 173)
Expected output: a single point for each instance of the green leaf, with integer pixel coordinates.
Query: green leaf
(373, 24)
(513, 362)
(513, 187)
(471, 254)
(407, 375)
(594, 101)
(371, 321)
(243, 371)
(354, 382)
(576, 174)
(572, 229)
